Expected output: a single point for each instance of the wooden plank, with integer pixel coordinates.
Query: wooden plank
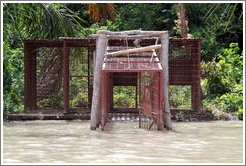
(95, 108)
(164, 61)
(134, 50)
(132, 32)
(126, 36)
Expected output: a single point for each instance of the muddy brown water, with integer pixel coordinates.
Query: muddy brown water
(122, 142)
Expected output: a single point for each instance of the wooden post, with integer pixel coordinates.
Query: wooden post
(95, 108)
(164, 61)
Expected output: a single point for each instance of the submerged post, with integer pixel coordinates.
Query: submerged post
(95, 106)
(164, 61)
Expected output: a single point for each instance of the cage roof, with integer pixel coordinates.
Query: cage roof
(134, 62)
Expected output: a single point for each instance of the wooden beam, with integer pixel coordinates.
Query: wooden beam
(164, 61)
(95, 108)
(132, 32)
(125, 36)
(134, 50)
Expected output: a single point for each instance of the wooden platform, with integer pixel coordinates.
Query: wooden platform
(116, 114)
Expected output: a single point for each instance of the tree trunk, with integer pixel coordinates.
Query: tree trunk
(164, 61)
(95, 107)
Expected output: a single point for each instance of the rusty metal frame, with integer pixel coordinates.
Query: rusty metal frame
(190, 74)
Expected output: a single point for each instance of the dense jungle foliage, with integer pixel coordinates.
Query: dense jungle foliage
(220, 26)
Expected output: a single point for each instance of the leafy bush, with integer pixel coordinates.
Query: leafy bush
(240, 114)
(222, 81)
(106, 25)
(124, 96)
(13, 74)
(210, 47)
(81, 100)
(180, 96)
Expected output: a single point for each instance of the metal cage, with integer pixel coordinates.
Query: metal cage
(50, 70)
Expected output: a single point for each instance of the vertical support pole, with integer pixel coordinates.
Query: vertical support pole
(164, 55)
(65, 77)
(30, 80)
(139, 98)
(95, 108)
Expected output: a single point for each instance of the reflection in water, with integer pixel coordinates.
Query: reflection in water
(73, 142)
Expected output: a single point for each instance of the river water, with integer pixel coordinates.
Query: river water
(122, 142)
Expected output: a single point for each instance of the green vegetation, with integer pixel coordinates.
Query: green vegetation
(220, 26)
(124, 96)
(222, 82)
(180, 97)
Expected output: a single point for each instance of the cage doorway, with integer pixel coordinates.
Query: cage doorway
(125, 97)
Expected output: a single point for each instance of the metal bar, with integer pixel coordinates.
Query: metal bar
(29, 76)
(161, 99)
(82, 76)
(111, 95)
(102, 102)
(136, 97)
(199, 78)
(131, 70)
(30, 81)
(88, 73)
(139, 97)
(133, 62)
(65, 77)
(26, 96)
(34, 83)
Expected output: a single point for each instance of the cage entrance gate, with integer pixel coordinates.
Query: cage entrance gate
(149, 97)
(142, 70)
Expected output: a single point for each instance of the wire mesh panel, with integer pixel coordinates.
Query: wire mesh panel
(105, 99)
(78, 77)
(149, 92)
(180, 97)
(184, 70)
(49, 72)
(44, 61)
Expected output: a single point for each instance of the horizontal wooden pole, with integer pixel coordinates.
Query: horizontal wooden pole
(125, 36)
(132, 32)
(134, 50)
